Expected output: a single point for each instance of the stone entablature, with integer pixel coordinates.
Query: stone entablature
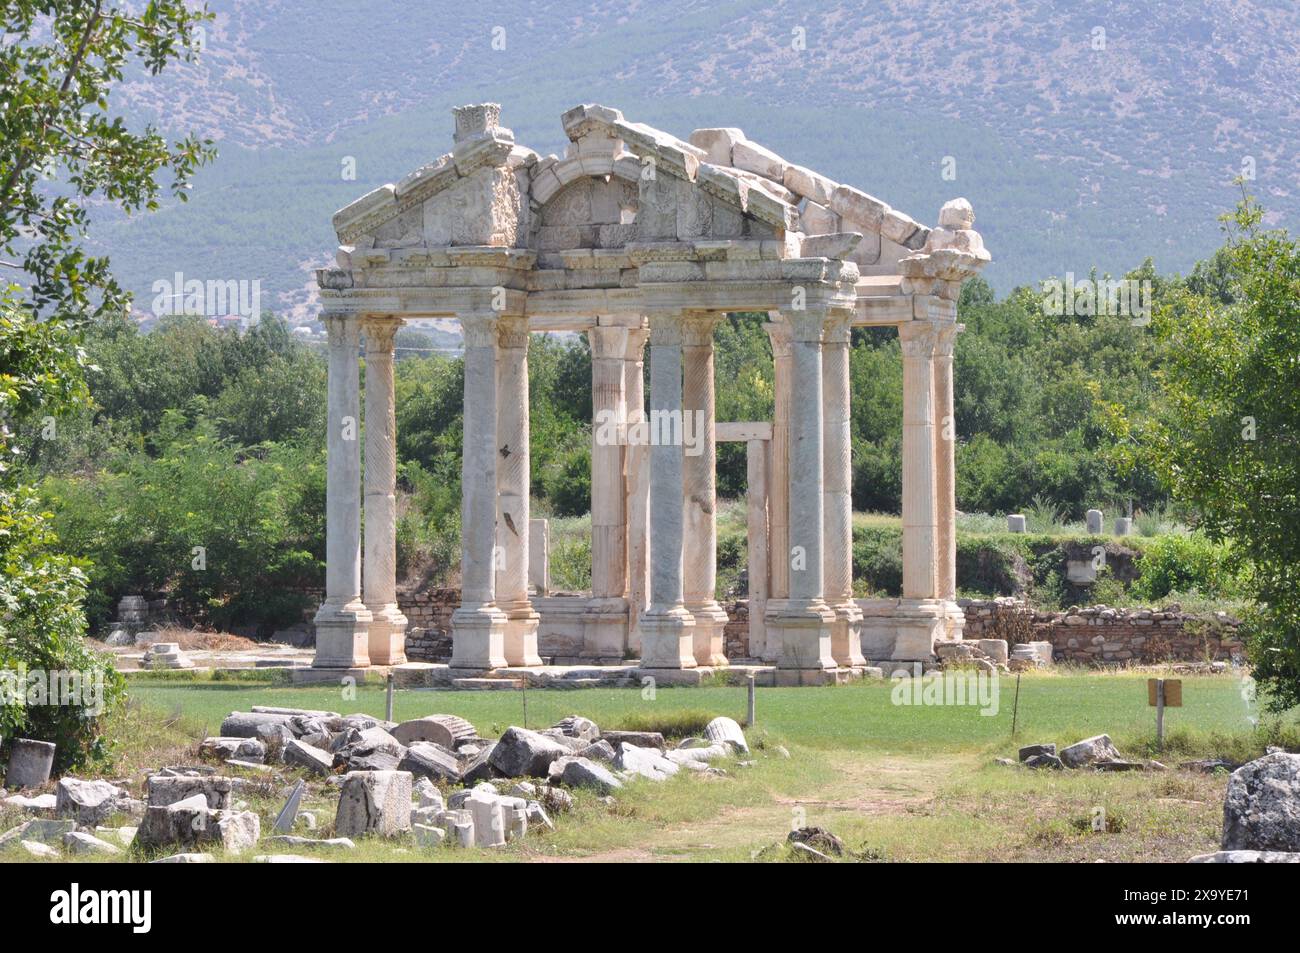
(632, 236)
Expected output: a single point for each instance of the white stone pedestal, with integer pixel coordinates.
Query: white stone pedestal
(479, 642)
(667, 638)
(342, 635)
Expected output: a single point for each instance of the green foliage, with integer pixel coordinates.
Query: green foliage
(222, 531)
(62, 151)
(1185, 563)
(1224, 435)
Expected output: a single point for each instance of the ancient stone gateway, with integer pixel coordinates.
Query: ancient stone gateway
(636, 236)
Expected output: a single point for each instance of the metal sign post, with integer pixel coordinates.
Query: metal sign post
(1162, 692)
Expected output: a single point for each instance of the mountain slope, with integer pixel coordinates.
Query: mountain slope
(1082, 137)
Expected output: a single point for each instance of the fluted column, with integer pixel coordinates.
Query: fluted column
(478, 625)
(778, 511)
(343, 621)
(666, 626)
(699, 490)
(945, 467)
(846, 632)
(513, 488)
(636, 467)
(920, 515)
(805, 619)
(388, 625)
(605, 626)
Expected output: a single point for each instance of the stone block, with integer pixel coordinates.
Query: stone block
(374, 803)
(30, 763)
(87, 802)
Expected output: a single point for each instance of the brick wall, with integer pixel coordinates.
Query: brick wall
(1098, 635)
(428, 622)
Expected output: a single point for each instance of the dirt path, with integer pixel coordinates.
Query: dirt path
(865, 784)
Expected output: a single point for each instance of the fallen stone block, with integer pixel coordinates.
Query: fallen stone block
(371, 750)
(428, 836)
(250, 724)
(242, 749)
(331, 843)
(446, 730)
(75, 842)
(706, 754)
(477, 766)
(30, 763)
(1044, 761)
(1248, 857)
(575, 726)
(599, 751)
(300, 755)
(374, 803)
(1089, 751)
(584, 773)
(428, 795)
(35, 848)
(1029, 751)
(642, 739)
(522, 752)
(427, 759)
(648, 763)
(490, 820)
(1261, 810)
(161, 791)
(556, 800)
(87, 802)
(537, 815)
(190, 823)
(39, 804)
(41, 829)
(727, 731)
(190, 858)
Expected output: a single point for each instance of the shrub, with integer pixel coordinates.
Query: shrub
(1187, 562)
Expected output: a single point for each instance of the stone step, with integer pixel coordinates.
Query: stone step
(487, 684)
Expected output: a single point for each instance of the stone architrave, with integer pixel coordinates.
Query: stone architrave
(667, 628)
(387, 642)
(514, 482)
(605, 623)
(343, 621)
(778, 508)
(478, 624)
(699, 490)
(846, 631)
(805, 619)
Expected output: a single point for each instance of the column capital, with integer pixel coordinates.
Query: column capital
(665, 328)
(697, 328)
(380, 329)
(808, 325)
(512, 331)
(838, 327)
(480, 328)
(923, 340)
(636, 341)
(607, 342)
(779, 334)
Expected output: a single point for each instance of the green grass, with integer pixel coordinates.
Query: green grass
(863, 717)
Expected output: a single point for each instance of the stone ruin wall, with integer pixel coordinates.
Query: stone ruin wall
(1087, 636)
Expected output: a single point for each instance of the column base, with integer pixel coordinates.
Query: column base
(846, 635)
(667, 638)
(604, 627)
(387, 635)
(707, 642)
(918, 624)
(342, 635)
(805, 634)
(519, 641)
(478, 637)
(772, 621)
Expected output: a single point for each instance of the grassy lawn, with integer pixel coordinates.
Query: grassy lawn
(896, 783)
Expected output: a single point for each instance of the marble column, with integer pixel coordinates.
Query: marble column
(699, 490)
(667, 628)
(636, 467)
(513, 489)
(778, 509)
(478, 625)
(920, 618)
(343, 621)
(846, 632)
(606, 623)
(945, 471)
(945, 481)
(756, 499)
(388, 625)
(805, 620)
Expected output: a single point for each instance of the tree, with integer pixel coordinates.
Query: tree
(62, 150)
(1224, 432)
